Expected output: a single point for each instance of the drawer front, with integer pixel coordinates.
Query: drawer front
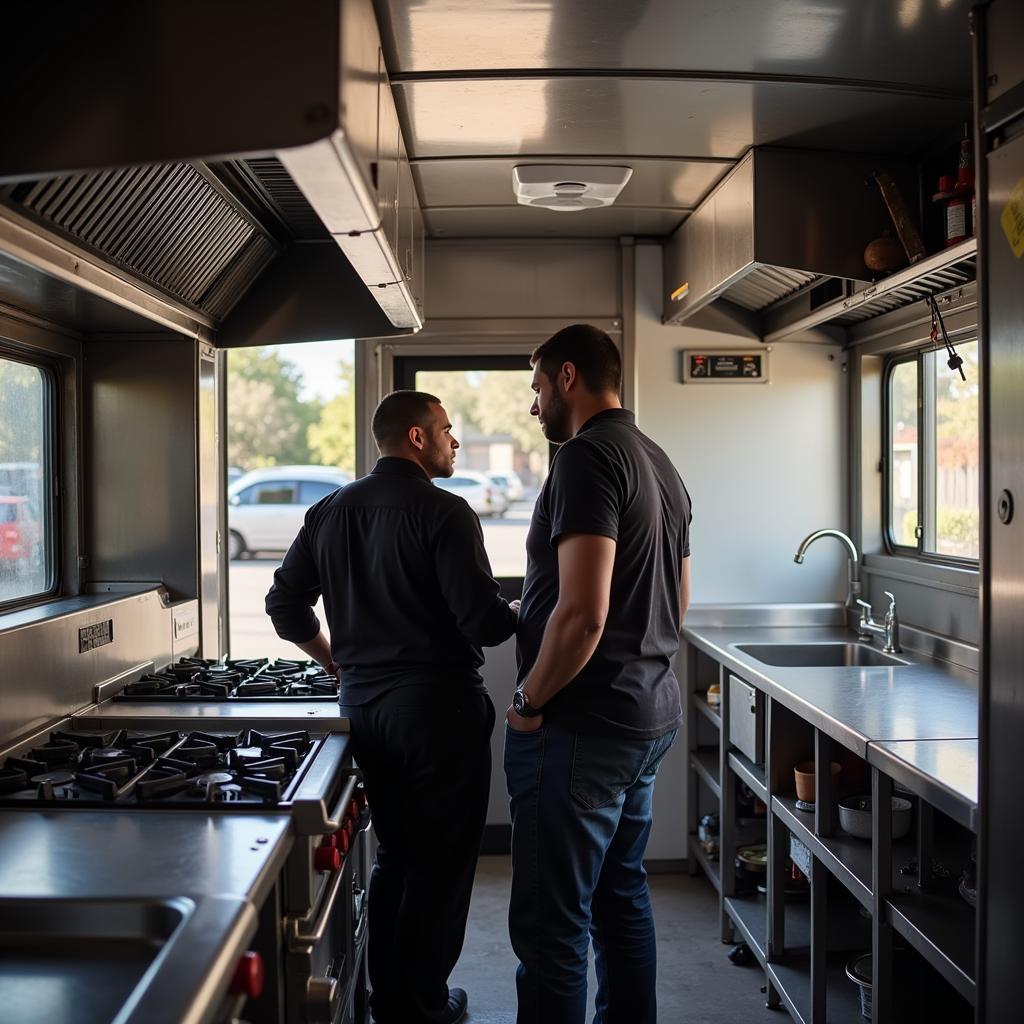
(746, 719)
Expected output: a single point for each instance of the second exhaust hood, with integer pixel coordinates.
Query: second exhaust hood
(781, 221)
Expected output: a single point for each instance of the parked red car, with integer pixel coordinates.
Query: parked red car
(19, 534)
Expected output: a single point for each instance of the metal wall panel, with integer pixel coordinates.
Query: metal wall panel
(524, 222)
(1003, 597)
(44, 676)
(501, 280)
(663, 118)
(141, 486)
(910, 42)
(212, 498)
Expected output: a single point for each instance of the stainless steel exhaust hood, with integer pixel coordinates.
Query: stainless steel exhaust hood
(780, 223)
(192, 84)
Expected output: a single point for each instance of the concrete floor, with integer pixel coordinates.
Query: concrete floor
(696, 982)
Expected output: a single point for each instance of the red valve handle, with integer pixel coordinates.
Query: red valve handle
(248, 977)
(326, 858)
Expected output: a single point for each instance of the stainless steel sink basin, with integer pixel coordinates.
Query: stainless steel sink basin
(79, 959)
(834, 655)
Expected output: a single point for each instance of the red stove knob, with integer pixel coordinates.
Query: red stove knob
(341, 839)
(248, 977)
(326, 858)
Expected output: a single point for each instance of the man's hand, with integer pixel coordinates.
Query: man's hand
(515, 605)
(517, 723)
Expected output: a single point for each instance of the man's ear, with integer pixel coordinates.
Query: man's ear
(568, 376)
(417, 438)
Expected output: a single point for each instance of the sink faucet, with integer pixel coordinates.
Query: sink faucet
(890, 629)
(853, 570)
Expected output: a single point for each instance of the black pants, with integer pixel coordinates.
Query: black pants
(426, 763)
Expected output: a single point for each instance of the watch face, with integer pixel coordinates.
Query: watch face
(518, 702)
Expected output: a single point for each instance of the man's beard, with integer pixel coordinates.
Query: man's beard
(556, 424)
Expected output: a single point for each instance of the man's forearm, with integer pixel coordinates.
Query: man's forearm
(318, 649)
(570, 639)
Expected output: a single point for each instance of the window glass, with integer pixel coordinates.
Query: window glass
(934, 455)
(27, 567)
(903, 454)
(275, 494)
(490, 415)
(957, 456)
(311, 491)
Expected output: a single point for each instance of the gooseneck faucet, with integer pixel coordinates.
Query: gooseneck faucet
(853, 569)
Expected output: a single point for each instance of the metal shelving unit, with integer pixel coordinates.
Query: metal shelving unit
(705, 764)
(804, 974)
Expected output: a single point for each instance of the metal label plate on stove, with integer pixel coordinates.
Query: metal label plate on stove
(99, 634)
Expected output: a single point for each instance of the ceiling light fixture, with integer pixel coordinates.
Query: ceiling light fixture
(568, 188)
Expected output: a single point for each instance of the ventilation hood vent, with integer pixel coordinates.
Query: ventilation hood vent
(167, 225)
(780, 222)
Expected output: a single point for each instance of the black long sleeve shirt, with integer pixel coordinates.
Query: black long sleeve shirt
(407, 586)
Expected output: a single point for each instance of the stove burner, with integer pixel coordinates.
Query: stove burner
(242, 679)
(54, 778)
(246, 768)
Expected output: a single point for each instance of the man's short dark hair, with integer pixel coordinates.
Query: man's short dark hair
(589, 349)
(398, 412)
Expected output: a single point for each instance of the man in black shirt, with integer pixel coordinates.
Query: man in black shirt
(410, 602)
(597, 705)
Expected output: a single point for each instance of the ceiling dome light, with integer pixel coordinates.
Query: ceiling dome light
(566, 187)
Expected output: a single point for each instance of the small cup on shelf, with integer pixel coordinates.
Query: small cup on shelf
(803, 774)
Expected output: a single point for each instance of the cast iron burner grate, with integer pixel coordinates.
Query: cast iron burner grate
(155, 769)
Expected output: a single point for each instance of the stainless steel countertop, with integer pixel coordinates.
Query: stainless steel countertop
(944, 772)
(320, 715)
(925, 700)
(217, 867)
(76, 853)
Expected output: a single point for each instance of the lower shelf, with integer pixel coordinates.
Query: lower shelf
(708, 866)
(750, 916)
(792, 980)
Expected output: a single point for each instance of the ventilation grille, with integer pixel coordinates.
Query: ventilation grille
(278, 190)
(166, 224)
(765, 285)
(961, 272)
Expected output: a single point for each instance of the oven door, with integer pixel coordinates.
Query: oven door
(325, 955)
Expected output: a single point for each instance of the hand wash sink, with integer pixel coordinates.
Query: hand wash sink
(831, 655)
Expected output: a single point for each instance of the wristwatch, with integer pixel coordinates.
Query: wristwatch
(522, 706)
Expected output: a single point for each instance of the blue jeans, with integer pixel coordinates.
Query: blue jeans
(581, 816)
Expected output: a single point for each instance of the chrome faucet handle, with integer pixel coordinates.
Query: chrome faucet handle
(892, 603)
(866, 605)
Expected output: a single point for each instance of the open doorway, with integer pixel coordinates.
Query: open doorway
(503, 459)
(291, 441)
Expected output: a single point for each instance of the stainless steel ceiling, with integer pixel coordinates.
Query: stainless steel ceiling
(679, 89)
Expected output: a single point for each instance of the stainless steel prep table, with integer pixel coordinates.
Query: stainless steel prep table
(944, 772)
(925, 700)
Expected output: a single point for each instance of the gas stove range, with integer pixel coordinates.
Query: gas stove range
(246, 679)
(150, 768)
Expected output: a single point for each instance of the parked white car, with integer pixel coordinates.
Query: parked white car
(485, 497)
(266, 507)
(509, 482)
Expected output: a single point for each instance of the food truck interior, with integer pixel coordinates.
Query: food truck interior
(801, 222)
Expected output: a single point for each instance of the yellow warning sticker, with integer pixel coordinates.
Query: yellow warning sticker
(1012, 220)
